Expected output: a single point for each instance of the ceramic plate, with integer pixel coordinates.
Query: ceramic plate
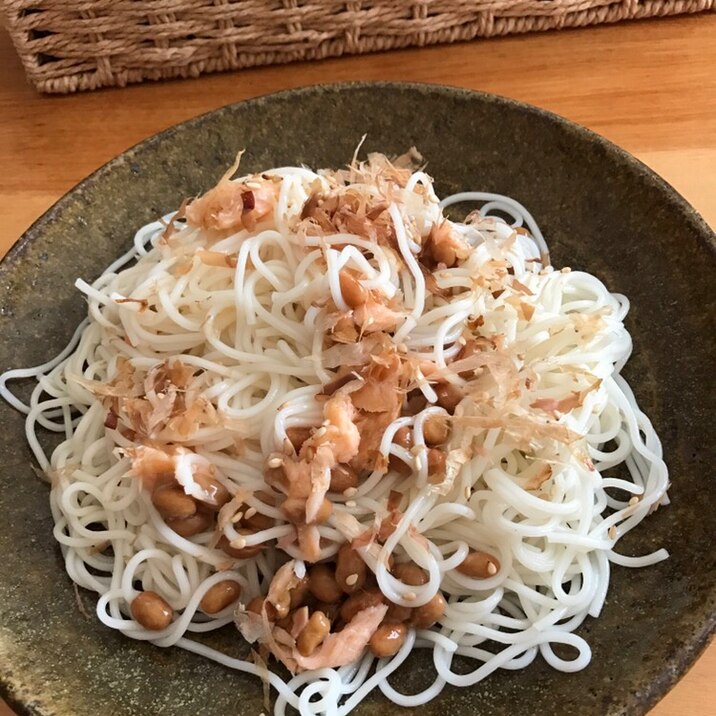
(600, 209)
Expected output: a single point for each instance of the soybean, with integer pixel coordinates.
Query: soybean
(194, 525)
(387, 639)
(220, 595)
(354, 294)
(351, 570)
(313, 634)
(449, 395)
(151, 611)
(173, 503)
(239, 552)
(479, 565)
(323, 585)
(426, 615)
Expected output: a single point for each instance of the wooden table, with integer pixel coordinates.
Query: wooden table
(648, 86)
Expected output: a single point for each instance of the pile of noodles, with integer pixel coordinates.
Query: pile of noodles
(243, 310)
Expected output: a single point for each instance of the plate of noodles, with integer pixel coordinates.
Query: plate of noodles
(353, 398)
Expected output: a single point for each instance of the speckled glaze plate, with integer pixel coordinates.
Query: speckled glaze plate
(599, 208)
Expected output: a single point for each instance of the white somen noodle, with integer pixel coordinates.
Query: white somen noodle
(212, 340)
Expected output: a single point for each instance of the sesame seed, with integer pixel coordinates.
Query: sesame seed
(237, 517)
(350, 503)
(410, 596)
(351, 579)
(250, 512)
(350, 491)
(634, 501)
(275, 462)
(491, 568)
(238, 543)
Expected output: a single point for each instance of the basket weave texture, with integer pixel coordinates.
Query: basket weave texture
(70, 45)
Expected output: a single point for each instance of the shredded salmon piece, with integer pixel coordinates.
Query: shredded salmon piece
(378, 401)
(298, 476)
(300, 619)
(309, 541)
(371, 427)
(347, 645)
(337, 649)
(308, 475)
(283, 581)
(341, 433)
(154, 467)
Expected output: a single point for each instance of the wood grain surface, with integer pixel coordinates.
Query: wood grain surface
(648, 86)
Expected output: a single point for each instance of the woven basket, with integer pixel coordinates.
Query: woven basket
(69, 45)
